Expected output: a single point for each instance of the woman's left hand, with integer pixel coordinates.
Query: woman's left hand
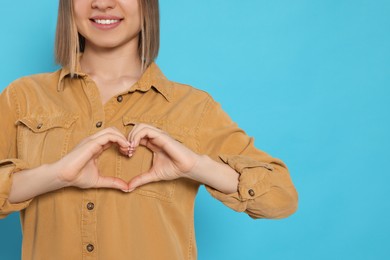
(171, 159)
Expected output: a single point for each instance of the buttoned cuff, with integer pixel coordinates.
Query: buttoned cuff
(252, 181)
(7, 168)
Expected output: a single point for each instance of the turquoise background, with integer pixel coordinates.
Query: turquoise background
(309, 79)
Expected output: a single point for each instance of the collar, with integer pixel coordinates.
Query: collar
(152, 78)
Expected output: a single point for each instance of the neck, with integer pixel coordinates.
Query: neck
(111, 64)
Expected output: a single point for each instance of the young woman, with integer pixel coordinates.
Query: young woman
(104, 157)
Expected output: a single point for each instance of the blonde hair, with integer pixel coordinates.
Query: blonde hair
(69, 43)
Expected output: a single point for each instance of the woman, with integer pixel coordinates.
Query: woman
(105, 156)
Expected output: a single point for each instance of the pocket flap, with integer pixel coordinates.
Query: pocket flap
(43, 123)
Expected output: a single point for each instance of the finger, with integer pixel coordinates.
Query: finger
(112, 130)
(94, 147)
(112, 182)
(142, 133)
(107, 131)
(124, 150)
(151, 138)
(141, 128)
(142, 179)
(106, 140)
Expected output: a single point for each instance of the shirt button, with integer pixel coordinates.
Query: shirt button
(119, 99)
(90, 206)
(90, 247)
(39, 126)
(99, 124)
(251, 192)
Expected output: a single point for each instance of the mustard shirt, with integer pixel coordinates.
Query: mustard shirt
(44, 116)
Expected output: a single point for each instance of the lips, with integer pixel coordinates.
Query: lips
(105, 22)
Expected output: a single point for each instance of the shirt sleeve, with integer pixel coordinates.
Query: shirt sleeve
(9, 164)
(265, 189)
(7, 168)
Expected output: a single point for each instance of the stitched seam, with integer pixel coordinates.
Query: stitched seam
(15, 98)
(190, 241)
(19, 144)
(198, 126)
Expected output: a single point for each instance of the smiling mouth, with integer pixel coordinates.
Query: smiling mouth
(106, 21)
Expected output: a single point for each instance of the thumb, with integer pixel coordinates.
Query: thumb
(142, 179)
(111, 182)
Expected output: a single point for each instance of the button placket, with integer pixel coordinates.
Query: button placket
(89, 222)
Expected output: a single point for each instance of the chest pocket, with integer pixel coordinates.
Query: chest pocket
(44, 139)
(142, 160)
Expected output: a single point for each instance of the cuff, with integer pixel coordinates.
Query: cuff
(252, 181)
(7, 168)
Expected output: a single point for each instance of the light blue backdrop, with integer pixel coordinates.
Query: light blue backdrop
(309, 79)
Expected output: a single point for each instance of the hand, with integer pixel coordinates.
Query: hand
(171, 159)
(79, 167)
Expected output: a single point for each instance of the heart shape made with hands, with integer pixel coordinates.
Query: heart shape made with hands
(170, 158)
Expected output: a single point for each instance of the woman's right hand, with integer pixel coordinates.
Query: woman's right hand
(79, 167)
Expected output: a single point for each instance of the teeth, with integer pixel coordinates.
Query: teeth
(100, 21)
